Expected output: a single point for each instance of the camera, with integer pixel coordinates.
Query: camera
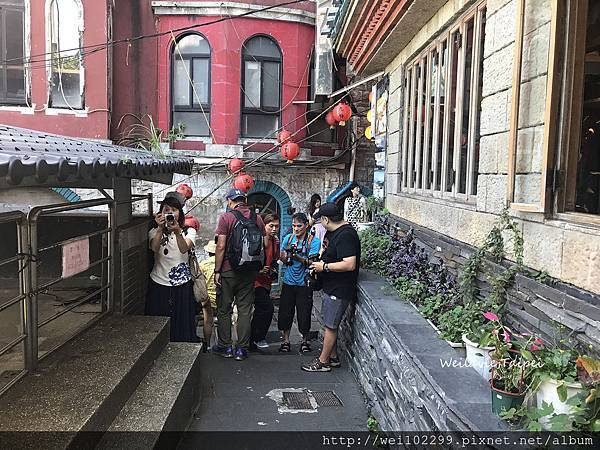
(313, 280)
(291, 251)
(170, 217)
(273, 271)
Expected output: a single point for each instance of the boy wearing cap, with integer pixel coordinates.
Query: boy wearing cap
(338, 270)
(208, 270)
(233, 285)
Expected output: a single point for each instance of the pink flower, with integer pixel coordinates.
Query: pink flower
(491, 316)
(534, 347)
(506, 336)
(495, 332)
(538, 340)
(525, 334)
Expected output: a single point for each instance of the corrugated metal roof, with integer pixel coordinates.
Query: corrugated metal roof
(39, 156)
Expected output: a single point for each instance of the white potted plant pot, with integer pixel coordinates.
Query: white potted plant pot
(478, 357)
(547, 392)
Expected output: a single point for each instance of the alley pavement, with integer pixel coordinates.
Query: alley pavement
(248, 395)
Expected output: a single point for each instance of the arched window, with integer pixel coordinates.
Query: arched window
(190, 86)
(261, 87)
(66, 40)
(12, 51)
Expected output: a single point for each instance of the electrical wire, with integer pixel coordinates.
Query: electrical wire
(105, 45)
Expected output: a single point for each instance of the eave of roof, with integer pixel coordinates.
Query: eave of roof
(33, 158)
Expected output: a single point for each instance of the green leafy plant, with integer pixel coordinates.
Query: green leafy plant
(145, 135)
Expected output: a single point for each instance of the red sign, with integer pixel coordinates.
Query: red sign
(75, 257)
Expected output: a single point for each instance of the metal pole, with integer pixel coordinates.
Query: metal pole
(24, 286)
(111, 244)
(150, 205)
(32, 300)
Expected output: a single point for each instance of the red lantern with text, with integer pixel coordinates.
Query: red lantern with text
(284, 136)
(290, 151)
(243, 182)
(185, 190)
(341, 113)
(235, 165)
(330, 120)
(192, 222)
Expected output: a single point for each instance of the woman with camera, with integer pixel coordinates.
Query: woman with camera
(263, 305)
(170, 291)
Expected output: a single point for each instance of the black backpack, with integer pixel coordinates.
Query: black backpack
(245, 249)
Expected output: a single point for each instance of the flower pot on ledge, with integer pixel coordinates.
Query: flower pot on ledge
(478, 357)
(548, 392)
(503, 400)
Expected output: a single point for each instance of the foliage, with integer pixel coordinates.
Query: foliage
(145, 135)
(376, 247)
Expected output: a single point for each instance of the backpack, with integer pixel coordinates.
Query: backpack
(245, 249)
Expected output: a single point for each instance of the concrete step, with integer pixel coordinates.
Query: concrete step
(165, 400)
(84, 385)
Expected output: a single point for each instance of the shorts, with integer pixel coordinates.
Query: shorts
(332, 310)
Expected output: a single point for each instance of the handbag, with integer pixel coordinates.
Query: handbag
(199, 283)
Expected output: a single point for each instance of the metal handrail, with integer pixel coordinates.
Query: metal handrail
(79, 301)
(65, 241)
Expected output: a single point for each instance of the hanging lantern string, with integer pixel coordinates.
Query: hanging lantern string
(267, 153)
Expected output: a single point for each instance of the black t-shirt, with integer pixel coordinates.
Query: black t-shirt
(339, 244)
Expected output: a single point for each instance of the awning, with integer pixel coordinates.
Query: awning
(32, 158)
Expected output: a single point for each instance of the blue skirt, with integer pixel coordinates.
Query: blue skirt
(178, 303)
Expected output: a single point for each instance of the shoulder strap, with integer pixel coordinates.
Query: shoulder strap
(238, 215)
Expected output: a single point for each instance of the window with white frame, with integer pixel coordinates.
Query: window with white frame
(66, 41)
(442, 102)
(261, 87)
(190, 87)
(12, 52)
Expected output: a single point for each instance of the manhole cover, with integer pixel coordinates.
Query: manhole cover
(297, 400)
(327, 398)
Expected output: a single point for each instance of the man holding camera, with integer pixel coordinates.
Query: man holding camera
(263, 305)
(297, 249)
(338, 271)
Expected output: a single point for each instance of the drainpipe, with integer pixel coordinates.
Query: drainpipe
(353, 152)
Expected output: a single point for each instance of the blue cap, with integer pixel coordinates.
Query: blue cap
(234, 193)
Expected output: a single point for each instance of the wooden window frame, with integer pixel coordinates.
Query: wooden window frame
(416, 146)
(5, 99)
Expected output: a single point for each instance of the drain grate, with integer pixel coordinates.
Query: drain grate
(327, 398)
(297, 400)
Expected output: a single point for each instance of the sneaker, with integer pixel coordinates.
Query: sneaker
(262, 344)
(316, 366)
(334, 362)
(225, 352)
(241, 354)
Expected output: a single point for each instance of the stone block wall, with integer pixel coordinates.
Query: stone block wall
(550, 309)
(397, 357)
(563, 247)
(365, 150)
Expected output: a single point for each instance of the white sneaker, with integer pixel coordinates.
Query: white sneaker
(262, 344)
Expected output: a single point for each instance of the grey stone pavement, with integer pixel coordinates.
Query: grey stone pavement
(246, 395)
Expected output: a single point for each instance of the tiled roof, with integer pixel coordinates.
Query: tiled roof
(39, 156)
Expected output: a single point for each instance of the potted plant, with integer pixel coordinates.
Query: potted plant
(477, 343)
(556, 378)
(512, 371)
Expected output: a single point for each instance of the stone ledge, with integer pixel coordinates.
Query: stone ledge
(396, 356)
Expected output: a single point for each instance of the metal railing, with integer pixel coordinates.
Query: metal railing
(28, 256)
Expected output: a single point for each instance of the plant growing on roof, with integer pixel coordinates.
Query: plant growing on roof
(145, 135)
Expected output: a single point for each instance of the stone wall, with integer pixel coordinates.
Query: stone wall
(564, 247)
(365, 150)
(550, 309)
(298, 183)
(397, 357)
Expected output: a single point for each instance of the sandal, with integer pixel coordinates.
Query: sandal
(285, 347)
(305, 347)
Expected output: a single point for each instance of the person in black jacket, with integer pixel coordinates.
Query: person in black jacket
(338, 270)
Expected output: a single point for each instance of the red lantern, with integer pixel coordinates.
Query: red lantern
(330, 120)
(284, 136)
(243, 182)
(185, 190)
(192, 222)
(235, 165)
(290, 151)
(341, 113)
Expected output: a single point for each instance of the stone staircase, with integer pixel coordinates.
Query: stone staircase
(121, 375)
